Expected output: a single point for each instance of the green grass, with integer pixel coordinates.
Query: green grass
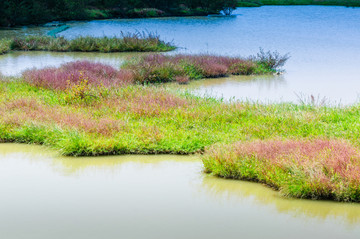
(5, 46)
(149, 119)
(315, 169)
(257, 3)
(240, 140)
(137, 42)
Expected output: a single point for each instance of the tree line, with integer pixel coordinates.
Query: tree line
(24, 12)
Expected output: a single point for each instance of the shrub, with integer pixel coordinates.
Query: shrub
(272, 60)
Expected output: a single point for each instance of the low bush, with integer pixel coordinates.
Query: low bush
(272, 60)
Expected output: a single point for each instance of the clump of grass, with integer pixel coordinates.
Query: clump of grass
(25, 110)
(316, 169)
(70, 74)
(160, 68)
(127, 42)
(5, 46)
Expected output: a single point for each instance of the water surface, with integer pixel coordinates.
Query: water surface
(14, 63)
(323, 43)
(44, 195)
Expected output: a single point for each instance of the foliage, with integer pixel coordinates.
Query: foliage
(258, 3)
(145, 12)
(316, 169)
(138, 42)
(143, 119)
(160, 68)
(71, 74)
(5, 46)
(272, 60)
(23, 12)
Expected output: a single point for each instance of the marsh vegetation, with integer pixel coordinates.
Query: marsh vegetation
(126, 42)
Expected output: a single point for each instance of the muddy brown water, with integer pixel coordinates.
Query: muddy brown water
(44, 195)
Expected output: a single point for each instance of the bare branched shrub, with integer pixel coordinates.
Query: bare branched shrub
(271, 59)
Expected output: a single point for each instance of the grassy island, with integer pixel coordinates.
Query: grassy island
(136, 42)
(84, 108)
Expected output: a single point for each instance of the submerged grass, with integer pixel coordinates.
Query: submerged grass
(130, 42)
(316, 169)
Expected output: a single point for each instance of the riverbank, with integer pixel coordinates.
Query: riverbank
(302, 168)
(136, 42)
(259, 3)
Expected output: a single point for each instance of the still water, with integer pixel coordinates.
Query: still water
(44, 195)
(14, 63)
(323, 43)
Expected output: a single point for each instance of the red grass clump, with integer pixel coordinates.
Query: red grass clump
(330, 156)
(146, 102)
(320, 168)
(161, 68)
(96, 74)
(24, 110)
(182, 80)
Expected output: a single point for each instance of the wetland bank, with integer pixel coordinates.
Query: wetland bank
(160, 119)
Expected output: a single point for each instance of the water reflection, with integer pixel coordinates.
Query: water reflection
(243, 191)
(21, 31)
(14, 63)
(239, 87)
(322, 41)
(44, 195)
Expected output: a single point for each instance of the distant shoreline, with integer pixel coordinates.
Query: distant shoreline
(105, 14)
(259, 3)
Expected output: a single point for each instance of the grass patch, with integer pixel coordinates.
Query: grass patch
(90, 116)
(5, 46)
(315, 169)
(137, 42)
(84, 108)
(182, 68)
